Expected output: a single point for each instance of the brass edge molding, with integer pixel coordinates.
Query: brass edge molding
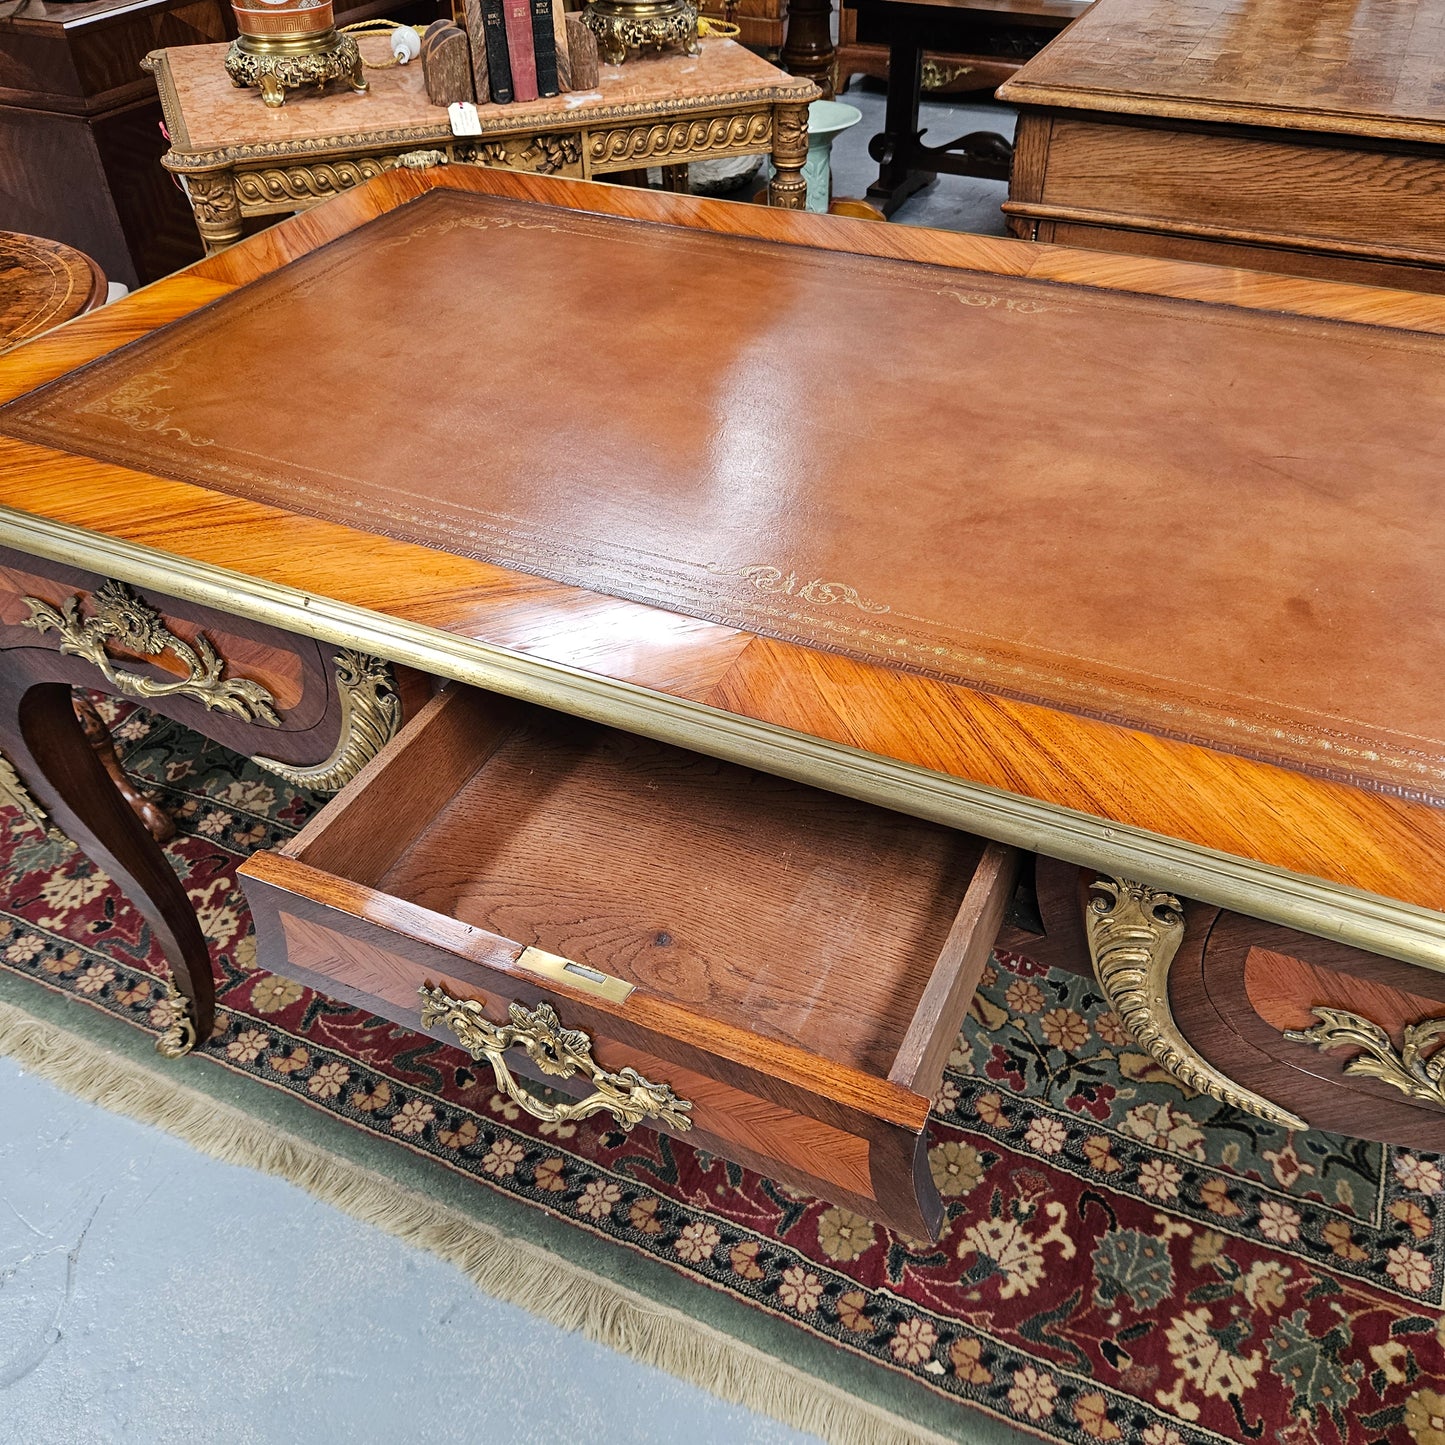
(370, 718)
(1134, 931)
(1417, 1069)
(1329, 910)
(559, 1052)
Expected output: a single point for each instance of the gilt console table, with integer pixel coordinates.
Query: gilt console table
(777, 710)
(241, 159)
(1305, 136)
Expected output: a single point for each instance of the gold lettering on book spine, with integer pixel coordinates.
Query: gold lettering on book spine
(1134, 931)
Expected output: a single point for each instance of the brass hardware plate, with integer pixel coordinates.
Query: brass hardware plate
(577, 975)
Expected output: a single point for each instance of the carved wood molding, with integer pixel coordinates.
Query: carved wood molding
(683, 137)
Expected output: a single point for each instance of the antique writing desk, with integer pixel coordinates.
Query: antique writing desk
(1182, 632)
(1305, 136)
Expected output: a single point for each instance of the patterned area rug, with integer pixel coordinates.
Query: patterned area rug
(1121, 1261)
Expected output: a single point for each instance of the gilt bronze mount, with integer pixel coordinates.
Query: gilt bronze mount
(625, 26)
(282, 48)
(1134, 931)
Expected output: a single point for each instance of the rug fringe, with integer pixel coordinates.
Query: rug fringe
(503, 1266)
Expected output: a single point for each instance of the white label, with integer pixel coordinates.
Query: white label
(465, 120)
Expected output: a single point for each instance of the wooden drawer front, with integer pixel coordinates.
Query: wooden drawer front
(1327, 1030)
(701, 924)
(311, 712)
(1241, 188)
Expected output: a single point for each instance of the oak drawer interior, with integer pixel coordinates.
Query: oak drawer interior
(740, 917)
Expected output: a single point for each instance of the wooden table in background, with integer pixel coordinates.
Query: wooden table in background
(1305, 136)
(43, 283)
(80, 129)
(240, 159)
(970, 47)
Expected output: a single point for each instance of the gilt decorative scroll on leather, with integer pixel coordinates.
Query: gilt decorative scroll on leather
(1204, 522)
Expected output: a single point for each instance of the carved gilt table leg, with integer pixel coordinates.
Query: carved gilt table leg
(159, 823)
(787, 189)
(1134, 931)
(216, 208)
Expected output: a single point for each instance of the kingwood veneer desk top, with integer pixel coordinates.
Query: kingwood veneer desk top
(1303, 135)
(1183, 623)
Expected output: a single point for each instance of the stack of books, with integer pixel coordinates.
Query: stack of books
(521, 49)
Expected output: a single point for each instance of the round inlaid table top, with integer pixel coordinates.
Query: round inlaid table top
(43, 283)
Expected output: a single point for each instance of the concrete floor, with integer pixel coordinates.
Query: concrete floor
(151, 1294)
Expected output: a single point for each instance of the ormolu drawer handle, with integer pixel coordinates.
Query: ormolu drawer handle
(562, 1052)
(124, 617)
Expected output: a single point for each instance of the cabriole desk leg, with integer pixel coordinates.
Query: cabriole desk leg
(43, 740)
(787, 189)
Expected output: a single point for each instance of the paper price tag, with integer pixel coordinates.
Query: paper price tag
(464, 118)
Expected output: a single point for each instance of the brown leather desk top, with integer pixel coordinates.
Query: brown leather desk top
(1143, 563)
(1204, 522)
(1330, 65)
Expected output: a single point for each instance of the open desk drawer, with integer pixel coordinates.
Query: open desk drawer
(777, 972)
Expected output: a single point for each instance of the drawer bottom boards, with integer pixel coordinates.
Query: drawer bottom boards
(656, 937)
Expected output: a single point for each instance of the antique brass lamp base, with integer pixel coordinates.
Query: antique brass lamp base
(623, 26)
(278, 63)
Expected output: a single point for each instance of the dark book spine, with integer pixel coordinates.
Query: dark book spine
(499, 67)
(544, 43)
(520, 49)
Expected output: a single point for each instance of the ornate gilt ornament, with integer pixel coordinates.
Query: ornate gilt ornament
(1417, 1069)
(1134, 931)
(370, 717)
(213, 199)
(540, 155)
(558, 1051)
(180, 1037)
(682, 137)
(936, 75)
(624, 25)
(312, 182)
(126, 619)
(277, 65)
(14, 794)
